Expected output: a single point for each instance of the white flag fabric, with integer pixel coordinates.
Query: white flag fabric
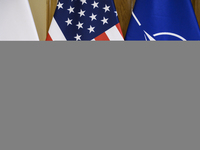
(16, 21)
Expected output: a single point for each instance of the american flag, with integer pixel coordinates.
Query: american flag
(77, 20)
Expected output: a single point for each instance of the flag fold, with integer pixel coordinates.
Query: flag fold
(90, 20)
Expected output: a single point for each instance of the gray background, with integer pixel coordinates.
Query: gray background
(99, 96)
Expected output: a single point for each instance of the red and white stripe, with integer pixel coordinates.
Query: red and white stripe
(55, 34)
(112, 34)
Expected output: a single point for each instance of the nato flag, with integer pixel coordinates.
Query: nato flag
(154, 20)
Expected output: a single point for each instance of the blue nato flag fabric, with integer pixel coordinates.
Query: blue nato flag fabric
(167, 20)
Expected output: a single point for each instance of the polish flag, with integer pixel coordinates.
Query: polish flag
(16, 21)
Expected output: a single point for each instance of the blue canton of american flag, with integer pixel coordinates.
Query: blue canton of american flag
(85, 20)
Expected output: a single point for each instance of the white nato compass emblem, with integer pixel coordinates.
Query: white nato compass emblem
(152, 38)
